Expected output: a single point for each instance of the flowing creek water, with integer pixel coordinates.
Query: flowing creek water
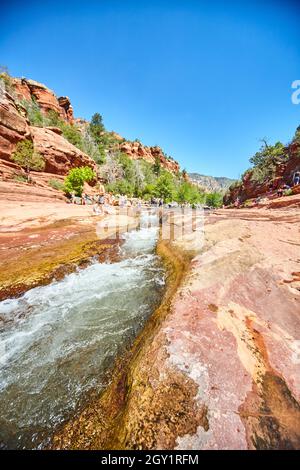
(59, 341)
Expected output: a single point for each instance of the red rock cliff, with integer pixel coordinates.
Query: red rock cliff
(136, 151)
(60, 155)
(249, 189)
(26, 89)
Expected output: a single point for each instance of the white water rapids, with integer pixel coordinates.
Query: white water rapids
(58, 341)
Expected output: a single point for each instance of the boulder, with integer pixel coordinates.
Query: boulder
(60, 155)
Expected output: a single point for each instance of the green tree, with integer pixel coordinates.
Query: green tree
(157, 166)
(214, 199)
(165, 187)
(266, 160)
(28, 158)
(188, 192)
(76, 178)
(297, 135)
(96, 127)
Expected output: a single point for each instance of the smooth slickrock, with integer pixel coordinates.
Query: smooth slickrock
(234, 330)
(222, 369)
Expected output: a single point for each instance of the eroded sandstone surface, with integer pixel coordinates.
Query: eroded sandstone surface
(218, 365)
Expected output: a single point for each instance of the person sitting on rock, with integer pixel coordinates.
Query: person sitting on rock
(280, 192)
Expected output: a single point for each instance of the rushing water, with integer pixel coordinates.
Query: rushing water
(58, 341)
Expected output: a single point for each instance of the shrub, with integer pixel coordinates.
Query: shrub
(214, 199)
(188, 192)
(56, 184)
(7, 80)
(266, 160)
(69, 131)
(25, 156)
(236, 184)
(165, 187)
(20, 178)
(76, 178)
(33, 111)
(121, 187)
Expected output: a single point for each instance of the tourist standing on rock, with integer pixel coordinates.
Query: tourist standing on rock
(296, 178)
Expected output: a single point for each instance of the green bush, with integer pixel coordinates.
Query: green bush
(7, 80)
(165, 187)
(20, 178)
(75, 179)
(82, 140)
(34, 114)
(121, 187)
(188, 192)
(56, 184)
(214, 199)
(69, 131)
(25, 156)
(236, 184)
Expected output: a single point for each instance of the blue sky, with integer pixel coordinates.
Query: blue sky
(204, 80)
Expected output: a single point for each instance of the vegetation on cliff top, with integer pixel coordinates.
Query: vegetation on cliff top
(266, 162)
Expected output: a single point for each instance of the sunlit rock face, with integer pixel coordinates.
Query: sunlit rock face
(137, 151)
(59, 154)
(29, 89)
(250, 189)
(13, 126)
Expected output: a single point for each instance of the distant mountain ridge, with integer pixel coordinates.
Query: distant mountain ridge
(211, 183)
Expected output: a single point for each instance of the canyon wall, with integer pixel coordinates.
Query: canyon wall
(59, 154)
(249, 188)
(136, 151)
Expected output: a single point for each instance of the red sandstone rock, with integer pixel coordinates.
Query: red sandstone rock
(26, 89)
(13, 126)
(65, 104)
(60, 155)
(136, 151)
(284, 175)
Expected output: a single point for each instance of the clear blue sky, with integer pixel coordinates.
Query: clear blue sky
(204, 80)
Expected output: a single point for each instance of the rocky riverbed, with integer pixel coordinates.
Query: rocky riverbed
(217, 366)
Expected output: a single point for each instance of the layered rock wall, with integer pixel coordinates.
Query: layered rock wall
(249, 189)
(137, 151)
